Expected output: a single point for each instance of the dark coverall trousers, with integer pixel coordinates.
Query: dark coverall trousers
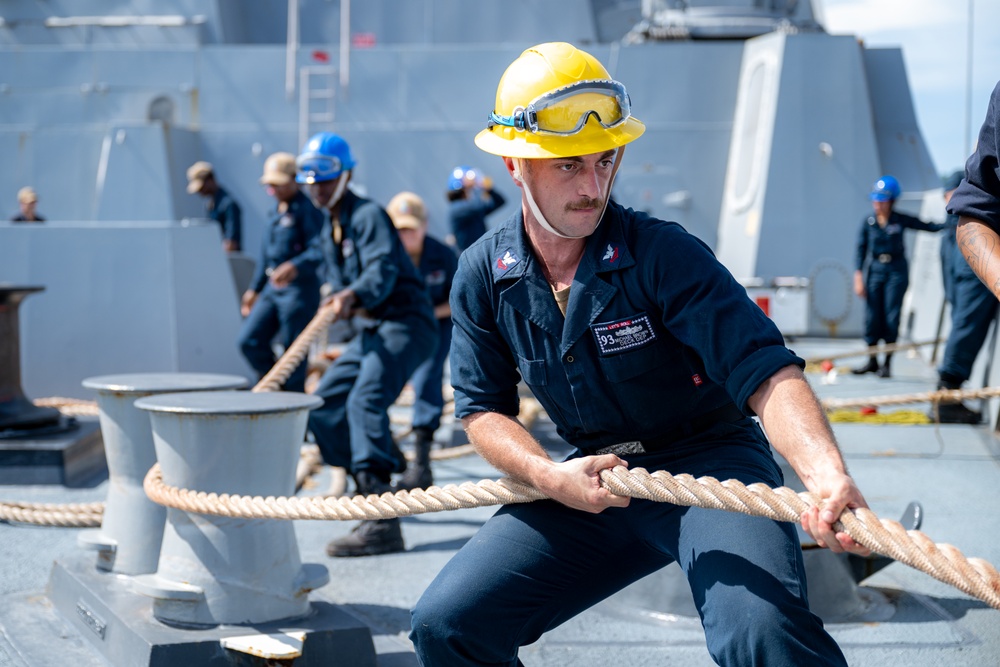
(352, 426)
(973, 308)
(886, 285)
(281, 313)
(534, 566)
(427, 382)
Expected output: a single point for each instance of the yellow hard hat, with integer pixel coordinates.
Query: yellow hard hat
(558, 101)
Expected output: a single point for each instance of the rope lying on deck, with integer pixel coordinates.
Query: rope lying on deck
(939, 396)
(873, 349)
(69, 515)
(944, 562)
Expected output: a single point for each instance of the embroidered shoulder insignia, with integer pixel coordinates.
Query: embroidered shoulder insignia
(611, 254)
(508, 260)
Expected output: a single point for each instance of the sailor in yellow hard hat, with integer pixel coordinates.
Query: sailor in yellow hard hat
(642, 348)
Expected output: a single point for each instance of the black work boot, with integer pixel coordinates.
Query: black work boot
(883, 371)
(954, 412)
(418, 475)
(369, 538)
(870, 367)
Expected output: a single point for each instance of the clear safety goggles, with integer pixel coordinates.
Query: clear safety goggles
(565, 111)
(318, 168)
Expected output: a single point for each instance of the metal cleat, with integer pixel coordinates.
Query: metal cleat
(128, 541)
(216, 570)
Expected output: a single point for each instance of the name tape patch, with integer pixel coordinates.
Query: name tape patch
(623, 335)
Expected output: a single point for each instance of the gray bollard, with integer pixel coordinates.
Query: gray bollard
(128, 541)
(215, 570)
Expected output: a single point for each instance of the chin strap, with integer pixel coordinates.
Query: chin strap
(338, 192)
(537, 213)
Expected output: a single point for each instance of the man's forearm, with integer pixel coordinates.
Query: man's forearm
(506, 445)
(980, 247)
(796, 425)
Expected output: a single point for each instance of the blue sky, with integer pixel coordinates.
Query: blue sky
(934, 37)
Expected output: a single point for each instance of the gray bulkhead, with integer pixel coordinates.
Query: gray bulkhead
(764, 132)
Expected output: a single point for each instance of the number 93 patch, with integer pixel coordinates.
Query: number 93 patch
(623, 335)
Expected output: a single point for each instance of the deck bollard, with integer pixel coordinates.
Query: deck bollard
(128, 541)
(216, 570)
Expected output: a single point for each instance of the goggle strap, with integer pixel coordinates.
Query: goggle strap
(515, 121)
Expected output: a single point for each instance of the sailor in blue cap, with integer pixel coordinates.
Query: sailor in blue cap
(882, 273)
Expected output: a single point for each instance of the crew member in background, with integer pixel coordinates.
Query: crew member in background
(640, 345)
(437, 264)
(284, 293)
(470, 199)
(948, 251)
(218, 204)
(371, 278)
(882, 273)
(976, 202)
(27, 200)
(973, 308)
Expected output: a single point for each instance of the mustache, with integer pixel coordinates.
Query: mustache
(585, 203)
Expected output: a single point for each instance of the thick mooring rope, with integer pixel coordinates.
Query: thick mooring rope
(296, 352)
(69, 515)
(71, 407)
(873, 349)
(939, 396)
(944, 562)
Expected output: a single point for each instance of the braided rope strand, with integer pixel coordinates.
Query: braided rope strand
(296, 352)
(944, 562)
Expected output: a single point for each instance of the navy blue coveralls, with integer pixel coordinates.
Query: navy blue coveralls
(973, 308)
(397, 334)
(468, 216)
(438, 264)
(224, 210)
(659, 344)
(284, 312)
(978, 196)
(948, 256)
(882, 257)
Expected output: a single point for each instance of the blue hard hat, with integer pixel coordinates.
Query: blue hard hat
(323, 158)
(458, 175)
(885, 189)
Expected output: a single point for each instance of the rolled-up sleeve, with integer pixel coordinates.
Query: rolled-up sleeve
(707, 310)
(978, 195)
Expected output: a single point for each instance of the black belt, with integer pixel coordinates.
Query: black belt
(884, 258)
(727, 413)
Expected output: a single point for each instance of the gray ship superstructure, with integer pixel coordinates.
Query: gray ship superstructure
(764, 135)
(764, 132)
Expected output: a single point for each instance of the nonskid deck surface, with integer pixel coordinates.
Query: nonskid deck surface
(952, 470)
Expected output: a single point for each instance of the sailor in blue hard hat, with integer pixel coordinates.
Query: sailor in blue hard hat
(471, 198)
(882, 273)
(372, 280)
